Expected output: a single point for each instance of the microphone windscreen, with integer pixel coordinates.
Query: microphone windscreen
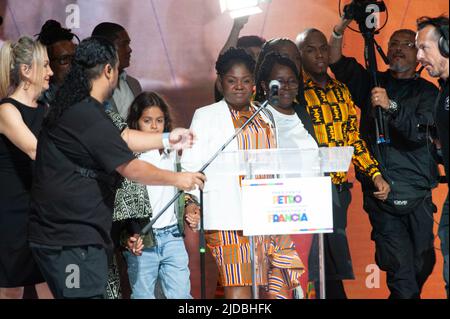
(274, 98)
(274, 83)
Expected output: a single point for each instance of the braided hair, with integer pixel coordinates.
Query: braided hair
(232, 57)
(91, 56)
(274, 45)
(267, 65)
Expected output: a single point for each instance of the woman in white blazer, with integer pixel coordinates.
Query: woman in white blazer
(214, 125)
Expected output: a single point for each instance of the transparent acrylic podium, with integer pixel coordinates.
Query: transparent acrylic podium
(280, 171)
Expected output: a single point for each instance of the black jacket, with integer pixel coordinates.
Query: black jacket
(406, 162)
(441, 116)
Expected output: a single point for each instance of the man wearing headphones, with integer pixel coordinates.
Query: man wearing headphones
(402, 225)
(433, 50)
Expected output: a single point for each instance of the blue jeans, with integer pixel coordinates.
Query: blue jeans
(168, 260)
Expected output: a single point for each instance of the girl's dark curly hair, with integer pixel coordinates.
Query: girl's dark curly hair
(232, 57)
(143, 101)
(266, 68)
(274, 45)
(91, 56)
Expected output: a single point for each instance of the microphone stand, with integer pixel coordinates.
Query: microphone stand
(381, 126)
(202, 247)
(385, 59)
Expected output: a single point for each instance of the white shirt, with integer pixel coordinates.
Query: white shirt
(291, 132)
(123, 96)
(161, 195)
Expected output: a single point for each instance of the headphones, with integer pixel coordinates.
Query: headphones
(443, 40)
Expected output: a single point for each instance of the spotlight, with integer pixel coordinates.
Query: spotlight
(241, 8)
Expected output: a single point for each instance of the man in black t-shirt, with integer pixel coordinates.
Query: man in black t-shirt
(432, 42)
(79, 156)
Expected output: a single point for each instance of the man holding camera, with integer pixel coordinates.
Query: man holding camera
(403, 223)
(432, 42)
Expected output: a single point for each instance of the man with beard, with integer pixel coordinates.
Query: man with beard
(79, 158)
(432, 44)
(403, 223)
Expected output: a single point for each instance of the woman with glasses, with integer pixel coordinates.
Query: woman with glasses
(288, 50)
(291, 131)
(290, 123)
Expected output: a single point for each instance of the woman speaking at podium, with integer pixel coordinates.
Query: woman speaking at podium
(214, 125)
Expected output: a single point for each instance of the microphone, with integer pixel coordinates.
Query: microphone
(274, 96)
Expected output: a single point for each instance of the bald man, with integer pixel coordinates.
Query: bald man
(334, 119)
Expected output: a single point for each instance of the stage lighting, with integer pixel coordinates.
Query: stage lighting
(241, 8)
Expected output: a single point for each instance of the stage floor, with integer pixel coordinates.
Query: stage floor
(362, 252)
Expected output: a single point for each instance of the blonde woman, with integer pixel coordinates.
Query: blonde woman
(24, 75)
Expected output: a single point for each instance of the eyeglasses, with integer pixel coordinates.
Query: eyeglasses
(403, 45)
(290, 84)
(64, 59)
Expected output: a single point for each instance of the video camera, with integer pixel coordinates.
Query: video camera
(357, 10)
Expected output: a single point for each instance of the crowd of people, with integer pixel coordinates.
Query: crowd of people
(87, 157)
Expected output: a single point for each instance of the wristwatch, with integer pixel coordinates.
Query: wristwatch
(393, 107)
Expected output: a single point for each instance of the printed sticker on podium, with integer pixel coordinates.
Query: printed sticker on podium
(287, 206)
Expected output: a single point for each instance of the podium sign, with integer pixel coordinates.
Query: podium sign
(287, 206)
